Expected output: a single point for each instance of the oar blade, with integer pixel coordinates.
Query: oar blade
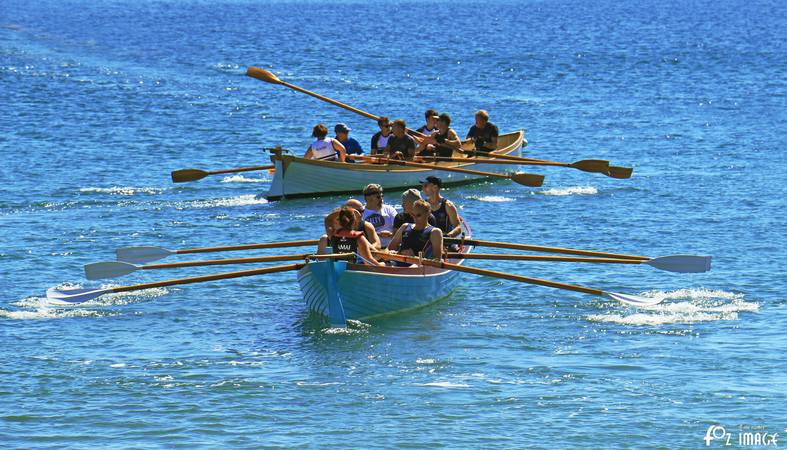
(108, 269)
(184, 175)
(142, 255)
(681, 263)
(263, 75)
(620, 172)
(634, 300)
(67, 296)
(591, 165)
(528, 179)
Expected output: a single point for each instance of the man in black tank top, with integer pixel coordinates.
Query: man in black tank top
(443, 142)
(420, 237)
(444, 210)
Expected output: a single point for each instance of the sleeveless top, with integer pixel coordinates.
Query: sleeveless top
(442, 149)
(441, 220)
(382, 141)
(323, 149)
(345, 241)
(416, 240)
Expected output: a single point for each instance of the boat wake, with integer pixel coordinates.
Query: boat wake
(491, 198)
(242, 179)
(242, 200)
(122, 190)
(683, 306)
(572, 190)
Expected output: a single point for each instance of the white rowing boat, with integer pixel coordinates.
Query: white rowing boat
(298, 177)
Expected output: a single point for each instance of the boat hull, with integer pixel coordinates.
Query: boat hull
(297, 177)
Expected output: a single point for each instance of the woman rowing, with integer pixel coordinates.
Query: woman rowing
(324, 148)
(419, 238)
(342, 234)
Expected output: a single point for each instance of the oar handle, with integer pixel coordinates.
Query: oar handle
(249, 246)
(242, 169)
(540, 248)
(258, 259)
(213, 277)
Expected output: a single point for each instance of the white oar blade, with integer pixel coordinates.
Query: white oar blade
(681, 263)
(60, 295)
(141, 255)
(634, 300)
(108, 269)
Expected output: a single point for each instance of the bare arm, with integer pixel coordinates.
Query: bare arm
(365, 250)
(371, 235)
(452, 140)
(436, 239)
(397, 239)
(308, 154)
(453, 219)
(339, 147)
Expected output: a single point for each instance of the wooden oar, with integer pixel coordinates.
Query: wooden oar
(540, 248)
(83, 295)
(585, 165)
(112, 269)
(673, 263)
(183, 175)
(145, 254)
(527, 179)
(623, 298)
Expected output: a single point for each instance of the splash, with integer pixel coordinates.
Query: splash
(122, 190)
(51, 313)
(242, 179)
(445, 384)
(242, 200)
(688, 306)
(573, 190)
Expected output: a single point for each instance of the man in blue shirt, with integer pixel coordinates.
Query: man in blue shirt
(351, 146)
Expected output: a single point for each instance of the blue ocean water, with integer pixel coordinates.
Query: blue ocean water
(100, 100)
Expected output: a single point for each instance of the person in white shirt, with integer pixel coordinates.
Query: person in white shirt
(324, 148)
(380, 215)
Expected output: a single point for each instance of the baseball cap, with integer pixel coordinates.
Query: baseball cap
(341, 128)
(434, 180)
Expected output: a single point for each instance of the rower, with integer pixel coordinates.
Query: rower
(444, 210)
(406, 216)
(400, 145)
(365, 226)
(341, 233)
(419, 238)
(380, 215)
(324, 148)
(380, 139)
(443, 142)
(484, 133)
(430, 128)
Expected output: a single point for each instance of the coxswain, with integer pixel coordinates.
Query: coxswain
(342, 235)
(444, 210)
(419, 238)
(484, 133)
(324, 148)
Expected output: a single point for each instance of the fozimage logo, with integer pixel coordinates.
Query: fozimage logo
(746, 436)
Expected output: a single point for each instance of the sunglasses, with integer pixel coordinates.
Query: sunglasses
(415, 214)
(369, 194)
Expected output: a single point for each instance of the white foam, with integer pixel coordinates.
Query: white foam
(573, 190)
(122, 190)
(50, 313)
(692, 305)
(492, 199)
(242, 200)
(242, 179)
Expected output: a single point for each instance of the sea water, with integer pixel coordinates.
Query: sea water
(100, 100)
